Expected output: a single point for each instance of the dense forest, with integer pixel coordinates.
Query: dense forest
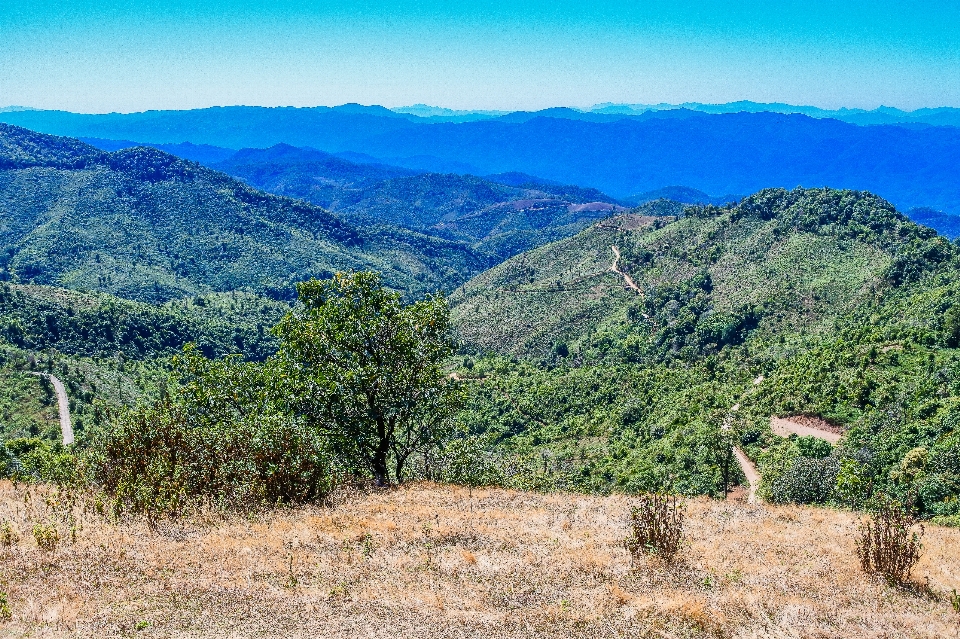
(145, 225)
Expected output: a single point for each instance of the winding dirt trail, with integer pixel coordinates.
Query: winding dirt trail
(616, 269)
(750, 472)
(784, 427)
(63, 403)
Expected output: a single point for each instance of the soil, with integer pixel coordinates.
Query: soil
(806, 425)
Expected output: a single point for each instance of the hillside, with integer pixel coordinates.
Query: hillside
(499, 218)
(109, 350)
(307, 174)
(620, 154)
(434, 561)
(810, 302)
(145, 225)
(778, 261)
(38, 318)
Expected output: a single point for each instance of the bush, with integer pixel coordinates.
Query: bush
(215, 436)
(467, 460)
(938, 493)
(854, 483)
(32, 458)
(886, 545)
(8, 534)
(805, 480)
(813, 447)
(47, 536)
(656, 526)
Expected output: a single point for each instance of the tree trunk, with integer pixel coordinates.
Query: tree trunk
(380, 470)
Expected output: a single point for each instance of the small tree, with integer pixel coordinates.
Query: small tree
(367, 370)
(721, 439)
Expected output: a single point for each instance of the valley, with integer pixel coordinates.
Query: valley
(529, 320)
(778, 360)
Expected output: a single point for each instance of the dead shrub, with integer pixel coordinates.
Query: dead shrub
(656, 526)
(887, 545)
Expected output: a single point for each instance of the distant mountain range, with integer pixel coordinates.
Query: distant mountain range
(621, 154)
(941, 116)
(345, 182)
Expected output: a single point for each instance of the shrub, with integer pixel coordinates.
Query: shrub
(806, 480)
(938, 494)
(886, 544)
(813, 447)
(214, 436)
(656, 526)
(47, 536)
(467, 460)
(8, 534)
(854, 483)
(32, 458)
(5, 612)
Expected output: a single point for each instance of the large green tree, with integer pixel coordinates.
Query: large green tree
(367, 370)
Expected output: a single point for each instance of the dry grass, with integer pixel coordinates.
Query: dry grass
(427, 561)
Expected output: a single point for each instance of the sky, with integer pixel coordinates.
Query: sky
(134, 55)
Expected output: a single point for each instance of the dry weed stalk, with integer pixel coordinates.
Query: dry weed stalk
(887, 545)
(656, 526)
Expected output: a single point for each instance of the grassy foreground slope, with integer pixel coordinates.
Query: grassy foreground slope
(145, 225)
(809, 302)
(427, 561)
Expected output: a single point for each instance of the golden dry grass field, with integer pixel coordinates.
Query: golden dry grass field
(432, 561)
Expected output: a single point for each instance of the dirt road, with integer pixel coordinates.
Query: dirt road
(63, 403)
(786, 426)
(750, 471)
(616, 269)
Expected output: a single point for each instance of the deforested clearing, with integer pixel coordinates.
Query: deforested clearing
(426, 560)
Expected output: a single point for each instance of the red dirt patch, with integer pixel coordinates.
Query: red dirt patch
(627, 222)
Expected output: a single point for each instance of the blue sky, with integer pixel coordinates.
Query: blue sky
(136, 55)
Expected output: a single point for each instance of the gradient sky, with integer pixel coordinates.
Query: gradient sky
(168, 54)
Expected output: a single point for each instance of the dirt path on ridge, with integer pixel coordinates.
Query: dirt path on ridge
(63, 403)
(616, 269)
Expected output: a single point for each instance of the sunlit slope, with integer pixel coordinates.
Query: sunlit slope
(145, 225)
(778, 261)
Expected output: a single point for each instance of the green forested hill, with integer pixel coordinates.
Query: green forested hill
(493, 216)
(110, 349)
(39, 318)
(780, 262)
(821, 303)
(142, 224)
